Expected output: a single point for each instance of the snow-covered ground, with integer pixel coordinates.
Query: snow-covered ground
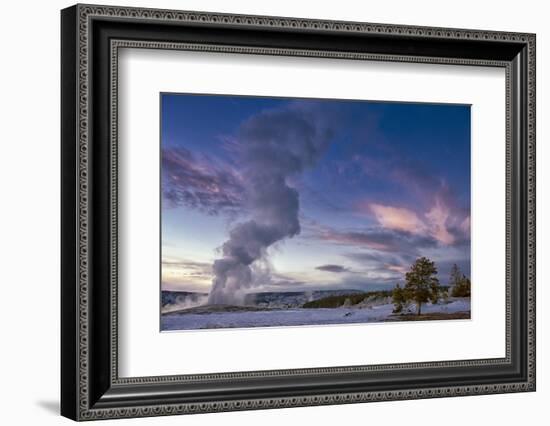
(293, 317)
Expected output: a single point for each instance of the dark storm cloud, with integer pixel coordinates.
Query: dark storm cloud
(200, 183)
(332, 268)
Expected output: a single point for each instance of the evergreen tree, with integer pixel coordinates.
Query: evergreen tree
(463, 288)
(399, 299)
(456, 276)
(422, 284)
(460, 284)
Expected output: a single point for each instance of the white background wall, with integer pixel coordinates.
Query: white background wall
(29, 211)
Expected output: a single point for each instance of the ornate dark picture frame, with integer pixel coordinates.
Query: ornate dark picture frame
(90, 386)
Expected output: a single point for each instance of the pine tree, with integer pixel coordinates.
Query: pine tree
(398, 299)
(422, 284)
(460, 284)
(463, 288)
(456, 276)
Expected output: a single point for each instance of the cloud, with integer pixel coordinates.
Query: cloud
(187, 264)
(370, 256)
(437, 221)
(332, 268)
(465, 225)
(200, 182)
(371, 239)
(400, 219)
(443, 222)
(374, 238)
(396, 268)
(381, 255)
(429, 205)
(387, 266)
(186, 274)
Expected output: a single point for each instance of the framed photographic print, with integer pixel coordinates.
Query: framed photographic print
(263, 212)
(317, 211)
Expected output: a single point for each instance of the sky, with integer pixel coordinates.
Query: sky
(283, 194)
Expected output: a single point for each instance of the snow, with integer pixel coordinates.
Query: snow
(297, 316)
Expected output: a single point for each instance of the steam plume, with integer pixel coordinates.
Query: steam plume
(273, 147)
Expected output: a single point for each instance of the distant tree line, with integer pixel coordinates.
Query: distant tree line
(351, 299)
(422, 286)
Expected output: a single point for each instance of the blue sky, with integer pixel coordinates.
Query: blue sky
(376, 185)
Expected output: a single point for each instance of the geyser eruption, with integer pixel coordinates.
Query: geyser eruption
(273, 147)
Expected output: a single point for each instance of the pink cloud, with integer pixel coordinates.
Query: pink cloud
(397, 218)
(396, 268)
(437, 222)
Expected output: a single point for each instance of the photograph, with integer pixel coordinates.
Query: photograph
(265, 209)
(280, 211)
